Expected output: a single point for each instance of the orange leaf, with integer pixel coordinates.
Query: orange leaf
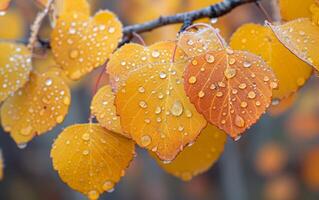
(198, 157)
(36, 108)
(261, 41)
(152, 104)
(15, 67)
(230, 88)
(91, 159)
(81, 43)
(301, 37)
(102, 107)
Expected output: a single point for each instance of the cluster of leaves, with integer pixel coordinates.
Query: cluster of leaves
(178, 99)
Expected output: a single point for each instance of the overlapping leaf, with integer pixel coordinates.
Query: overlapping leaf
(102, 107)
(199, 157)
(230, 88)
(15, 67)
(261, 41)
(4, 4)
(36, 108)
(91, 159)
(66, 6)
(152, 104)
(293, 9)
(300, 36)
(80, 43)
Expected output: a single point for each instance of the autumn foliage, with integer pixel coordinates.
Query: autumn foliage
(178, 99)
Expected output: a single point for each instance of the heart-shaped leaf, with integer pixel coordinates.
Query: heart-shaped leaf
(230, 88)
(80, 43)
(91, 159)
(36, 108)
(15, 67)
(152, 104)
(301, 37)
(261, 41)
(199, 157)
(102, 107)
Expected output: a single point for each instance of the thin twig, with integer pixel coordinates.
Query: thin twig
(264, 11)
(213, 11)
(37, 25)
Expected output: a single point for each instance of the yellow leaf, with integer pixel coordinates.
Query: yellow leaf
(91, 159)
(102, 107)
(4, 4)
(293, 9)
(198, 157)
(198, 42)
(13, 19)
(67, 6)
(15, 67)
(36, 108)
(80, 43)
(289, 70)
(152, 104)
(279, 107)
(1, 166)
(300, 36)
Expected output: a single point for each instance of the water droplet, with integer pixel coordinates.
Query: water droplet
(201, 94)
(251, 95)
(48, 82)
(59, 119)
(219, 94)
(108, 185)
(162, 75)
(86, 136)
(26, 131)
(300, 81)
(143, 104)
(146, 140)
(111, 30)
(93, 195)
(22, 145)
(237, 138)
(242, 86)
(230, 72)
(213, 20)
(158, 110)
(243, 104)
(141, 89)
(275, 102)
(192, 80)
(239, 121)
(155, 54)
(74, 54)
(209, 58)
(247, 64)
(258, 103)
(85, 152)
(194, 62)
(273, 85)
(232, 61)
(188, 113)
(177, 108)
(266, 78)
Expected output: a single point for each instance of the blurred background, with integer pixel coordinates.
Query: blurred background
(277, 159)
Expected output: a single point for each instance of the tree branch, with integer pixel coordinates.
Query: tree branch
(213, 11)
